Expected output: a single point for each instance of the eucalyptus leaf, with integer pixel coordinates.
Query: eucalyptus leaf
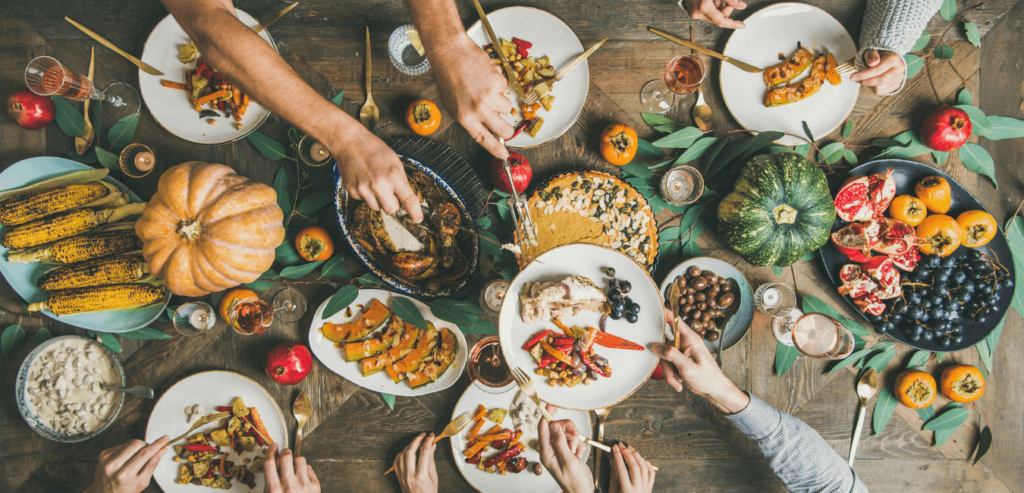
(691, 249)
(370, 279)
(286, 254)
(926, 413)
(667, 129)
(1004, 127)
(922, 42)
(69, 119)
(107, 159)
(42, 335)
(881, 360)
(680, 139)
(281, 188)
(670, 233)
(914, 64)
(951, 417)
(980, 124)
(637, 169)
(784, 358)
(654, 119)
(984, 443)
(647, 150)
(697, 150)
(314, 202)
(503, 211)
(918, 359)
(761, 140)
(488, 248)
(728, 152)
(297, 271)
(939, 357)
(973, 35)
(148, 333)
(848, 129)
(978, 160)
(811, 304)
(270, 148)
(851, 359)
(88, 158)
(850, 157)
(11, 341)
(832, 153)
(668, 248)
(883, 143)
(449, 311)
(469, 307)
(122, 132)
(943, 435)
(778, 271)
(260, 284)
(940, 157)
(509, 272)
(109, 341)
(948, 10)
(483, 222)
(807, 131)
(335, 266)
(480, 326)
(964, 96)
(1015, 239)
(884, 407)
(407, 311)
(339, 300)
(987, 346)
(811, 255)
(389, 400)
(802, 149)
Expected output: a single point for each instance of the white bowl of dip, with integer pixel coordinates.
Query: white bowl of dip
(57, 389)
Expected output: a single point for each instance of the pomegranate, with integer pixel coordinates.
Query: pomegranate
(288, 363)
(852, 201)
(856, 281)
(881, 191)
(887, 292)
(30, 110)
(946, 128)
(908, 259)
(522, 173)
(870, 304)
(882, 270)
(895, 237)
(855, 240)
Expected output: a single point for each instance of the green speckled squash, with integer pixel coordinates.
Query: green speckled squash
(779, 210)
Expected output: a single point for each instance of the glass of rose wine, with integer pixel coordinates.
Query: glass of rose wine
(818, 336)
(251, 317)
(683, 75)
(46, 76)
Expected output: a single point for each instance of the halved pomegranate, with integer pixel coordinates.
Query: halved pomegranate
(907, 260)
(895, 237)
(856, 281)
(882, 270)
(855, 240)
(887, 292)
(852, 201)
(881, 191)
(870, 304)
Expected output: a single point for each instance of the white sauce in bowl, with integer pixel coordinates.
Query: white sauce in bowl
(63, 386)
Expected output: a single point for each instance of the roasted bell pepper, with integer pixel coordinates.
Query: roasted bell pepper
(607, 340)
(522, 47)
(588, 340)
(545, 361)
(476, 458)
(536, 338)
(508, 454)
(561, 341)
(519, 129)
(560, 356)
(200, 447)
(560, 325)
(592, 366)
(566, 349)
(223, 409)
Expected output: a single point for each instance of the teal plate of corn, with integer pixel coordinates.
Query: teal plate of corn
(68, 246)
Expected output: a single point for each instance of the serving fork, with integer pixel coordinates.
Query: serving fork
(209, 418)
(526, 385)
(542, 89)
(457, 425)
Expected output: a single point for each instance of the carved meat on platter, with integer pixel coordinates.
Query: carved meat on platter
(551, 300)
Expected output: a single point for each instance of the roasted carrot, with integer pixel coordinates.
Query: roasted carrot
(174, 85)
(236, 96)
(245, 104)
(480, 411)
(494, 437)
(494, 430)
(560, 325)
(258, 423)
(475, 429)
(477, 447)
(211, 97)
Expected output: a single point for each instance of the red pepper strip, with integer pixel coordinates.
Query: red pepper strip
(221, 409)
(259, 439)
(560, 356)
(545, 361)
(476, 458)
(567, 349)
(588, 340)
(592, 366)
(200, 447)
(508, 454)
(519, 129)
(561, 341)
(607, 340)
(536, 338)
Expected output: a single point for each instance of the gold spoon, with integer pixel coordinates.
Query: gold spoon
(866, 387)
(369, 114)
(701, 111)
(83, 141)
(302, 410)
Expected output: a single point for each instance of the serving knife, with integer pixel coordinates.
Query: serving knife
(510, 74)
(147, 68)
(272, 19)
(746, 67)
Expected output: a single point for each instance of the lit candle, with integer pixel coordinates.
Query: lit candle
(144, 161)
(771, 298)
(318, 152)
(199, 319)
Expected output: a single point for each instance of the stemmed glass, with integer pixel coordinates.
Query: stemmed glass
(819, 336)
(46, 76)
(683, 75)
(289, 305)
(251, 317)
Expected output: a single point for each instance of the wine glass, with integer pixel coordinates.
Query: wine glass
(194, 318)
(46, 76)
(683, 75)
(289, 305)
(251, 317)
(817, 335)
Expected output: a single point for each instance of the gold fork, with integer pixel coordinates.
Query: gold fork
(526, 385)
(602, 415)
(542, 89)
(209, 418)
(454, 428)
(847, 67)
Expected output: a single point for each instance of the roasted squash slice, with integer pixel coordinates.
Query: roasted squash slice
(788, 70)
(372, 318)
(412, 361)
(444, 356)
(398, 350)
(792, 93)
(355, 351)
(831, 75)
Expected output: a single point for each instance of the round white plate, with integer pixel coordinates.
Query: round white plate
(170, 107)
(331, 356)
(630, 369)
(553, 38)
(525, 481)
(739, 315)
(777, 29)
(209, 389)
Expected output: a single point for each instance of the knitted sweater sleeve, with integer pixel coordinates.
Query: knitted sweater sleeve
(894, 25)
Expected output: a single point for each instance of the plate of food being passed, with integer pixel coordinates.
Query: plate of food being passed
(580, 320)
(801, 83)
(192, 100)
(538, 45)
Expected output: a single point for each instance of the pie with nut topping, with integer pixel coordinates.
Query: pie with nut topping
(591, 207)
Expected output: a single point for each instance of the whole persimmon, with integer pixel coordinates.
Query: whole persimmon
(963, 383)
(909, 209)
(314, 243)
(915, 389)
(979, 227)
(934, 191)
(940, 235)
(618, 144)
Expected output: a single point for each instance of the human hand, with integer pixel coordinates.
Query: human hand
(886, 71)
(631, 473)
(284, 472)
(373, 173)
(563, 455)
(696, 368)
(127, 468)
(417, 474)
(716, 12)
(473, 89)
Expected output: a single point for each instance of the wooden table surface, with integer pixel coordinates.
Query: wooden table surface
(353, 436)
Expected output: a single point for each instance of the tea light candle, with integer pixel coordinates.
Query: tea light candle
(492, 295)
(144, 161)
(199, 319)
(771, 298)
(318, 152)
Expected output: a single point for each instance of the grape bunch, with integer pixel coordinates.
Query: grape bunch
(621, 305)
(942, 294)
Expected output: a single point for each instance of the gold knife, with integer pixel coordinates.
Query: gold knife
(746, 67)
(512, 75)
(265, 24)
(147, 68)
(578, 60)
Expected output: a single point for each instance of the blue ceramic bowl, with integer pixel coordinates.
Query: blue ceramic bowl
(739, 315)
(456, 289)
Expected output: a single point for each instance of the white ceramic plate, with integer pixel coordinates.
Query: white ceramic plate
(525, 481)
(777, 29)
(170, 107)
(739, 315)
(552, 38)
(630, 369)
(331, 356)
(209, 389)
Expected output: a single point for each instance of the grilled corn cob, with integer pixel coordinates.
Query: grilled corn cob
(99, 299)
(81, 248)
(67, 225)
(99, 272)
(32, 206)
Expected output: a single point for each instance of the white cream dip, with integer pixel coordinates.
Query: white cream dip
(63, 386)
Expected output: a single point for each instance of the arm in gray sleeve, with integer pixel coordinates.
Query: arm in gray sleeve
(894, 25)
(798, 454)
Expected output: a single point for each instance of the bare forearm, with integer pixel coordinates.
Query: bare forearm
(438, 24)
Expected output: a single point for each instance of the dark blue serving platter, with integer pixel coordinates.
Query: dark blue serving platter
(906, 174)
(458, 289)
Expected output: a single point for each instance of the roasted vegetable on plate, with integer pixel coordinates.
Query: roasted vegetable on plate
(243, 434)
